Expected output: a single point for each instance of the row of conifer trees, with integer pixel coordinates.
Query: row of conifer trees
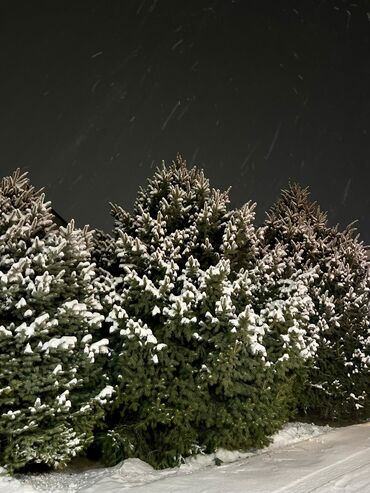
(186, 329)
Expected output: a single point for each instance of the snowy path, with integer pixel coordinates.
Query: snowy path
(335, 461)
(338, 461)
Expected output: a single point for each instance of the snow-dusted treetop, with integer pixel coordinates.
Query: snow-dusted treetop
(182, 215)
(295, 216)
(23, 208)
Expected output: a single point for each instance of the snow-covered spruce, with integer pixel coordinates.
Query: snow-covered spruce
(192, 318)
(337, 386)
(51, 389)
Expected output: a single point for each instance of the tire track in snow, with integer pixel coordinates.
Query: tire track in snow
(326, 475)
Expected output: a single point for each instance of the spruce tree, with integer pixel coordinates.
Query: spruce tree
(338, 380)
(188, 328)
(51, 389)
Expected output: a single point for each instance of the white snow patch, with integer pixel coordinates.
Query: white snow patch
(105, 394)
(303, 458)
(136, 475)
(100, 347)
(28, 349)
(65, 342)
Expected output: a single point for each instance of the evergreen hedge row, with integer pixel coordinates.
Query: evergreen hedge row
(185, 329)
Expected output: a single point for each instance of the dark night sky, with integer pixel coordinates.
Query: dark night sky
(94, 94)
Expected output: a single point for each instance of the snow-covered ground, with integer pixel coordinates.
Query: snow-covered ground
(303, 458)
